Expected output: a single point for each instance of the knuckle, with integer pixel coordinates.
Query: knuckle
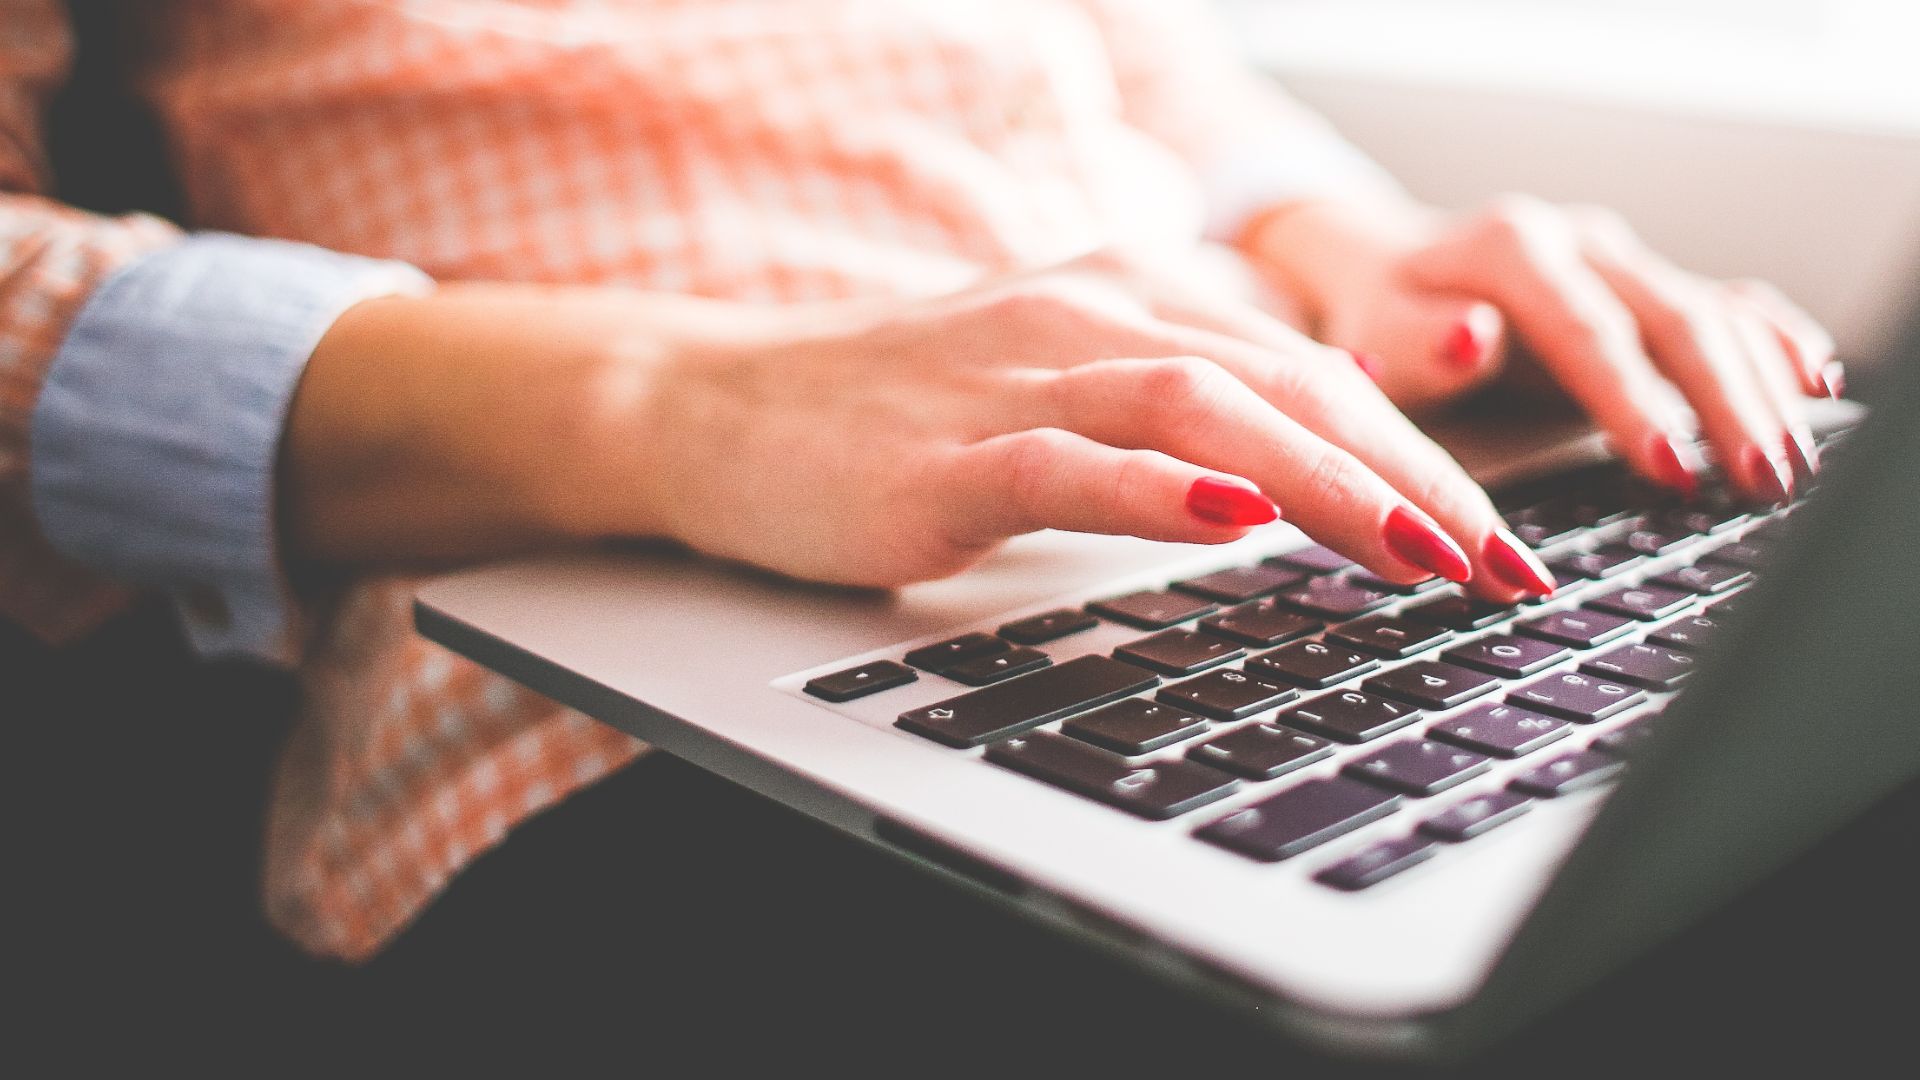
(1519, 218)
(1044, 303)
(1031, 460)
(1690, 318)
(1336, 472)
(1184, 384)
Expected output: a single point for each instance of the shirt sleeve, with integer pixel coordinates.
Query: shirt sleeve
(1254, 147)
(144, 381)
(160, 418)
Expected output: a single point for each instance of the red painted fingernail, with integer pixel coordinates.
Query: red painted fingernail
(1770, 479)
(1512, 563)
(1420, 542)
(1834, 378)
(1471, 339)
(1801, 451)
(1368, 365)
(1664, 455)
(1228, 502)
(1463, 345)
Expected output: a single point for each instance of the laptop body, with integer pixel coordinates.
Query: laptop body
(712, 662)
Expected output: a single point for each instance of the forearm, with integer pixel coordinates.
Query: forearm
(487, 419)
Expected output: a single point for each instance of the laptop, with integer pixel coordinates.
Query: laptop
(1257, 772)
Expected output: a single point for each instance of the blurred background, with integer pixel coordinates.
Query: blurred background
(1767, 138)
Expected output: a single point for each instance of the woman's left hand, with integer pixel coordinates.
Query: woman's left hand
(1438, 302)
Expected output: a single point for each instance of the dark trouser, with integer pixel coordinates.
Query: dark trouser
(669, 917)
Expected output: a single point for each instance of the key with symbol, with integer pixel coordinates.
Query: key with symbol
(1027, 701)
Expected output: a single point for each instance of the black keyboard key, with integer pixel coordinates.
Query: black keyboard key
(1545, 524)
(855, 682)
(1241, 583)
(1158, 790)
(1706, 578)
(1048, 626)
(1314, 560)
(1705, 520)
(1507, 731)
(1312, 664)
(1419, 767)
(1472, 817)
(1300, 818)
(1227, 695)
(1179, 652)
(1262, 624)
(1692, 632)
(1508, 656)
(1655, 540)
(1608, 502)
(982, 670)
(1390, 636)
(1333, 598)
(1261, 751)
(942, 655)
(1458, 612)
(1370, 580)
(1431, 684)
(1725, 607)
(1652, 666)
(1741, 553)
(1134, 726)
(1152, 609)
(1645, 601)
(1349, 716)
(1578, 696)
(1603, 562)
(1578, 628)
(1565, 775)
(1625, 739)
(1376, 863)
(980, 716)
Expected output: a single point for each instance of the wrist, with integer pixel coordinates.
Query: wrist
(448, 427)
(1319, 250)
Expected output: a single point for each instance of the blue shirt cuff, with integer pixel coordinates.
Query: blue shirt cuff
(155, 434)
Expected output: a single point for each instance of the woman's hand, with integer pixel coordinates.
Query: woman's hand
(906, 444)
(870, 443)
(1621, 329)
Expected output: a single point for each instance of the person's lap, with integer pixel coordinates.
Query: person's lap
(669, 915)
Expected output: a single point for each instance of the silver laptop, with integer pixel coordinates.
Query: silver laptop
(1257, 771)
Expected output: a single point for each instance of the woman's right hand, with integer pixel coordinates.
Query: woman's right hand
(896, 443)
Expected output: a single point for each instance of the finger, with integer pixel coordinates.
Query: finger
(1697, 341)
(1194, 409)
(1526, 259)
(1806, 342)
(1783, 390)
(1335, 403)
(1047, 478)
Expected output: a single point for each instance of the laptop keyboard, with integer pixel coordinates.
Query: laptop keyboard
(1243, 677)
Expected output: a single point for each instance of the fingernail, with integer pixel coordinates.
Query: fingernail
(1769, 479)
(1833, 377)
(1420, 542)
(1229, 502)
(1670, 467)
(1801, 451)
(1471, 338)
(1512, 563)
(1368, 365)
